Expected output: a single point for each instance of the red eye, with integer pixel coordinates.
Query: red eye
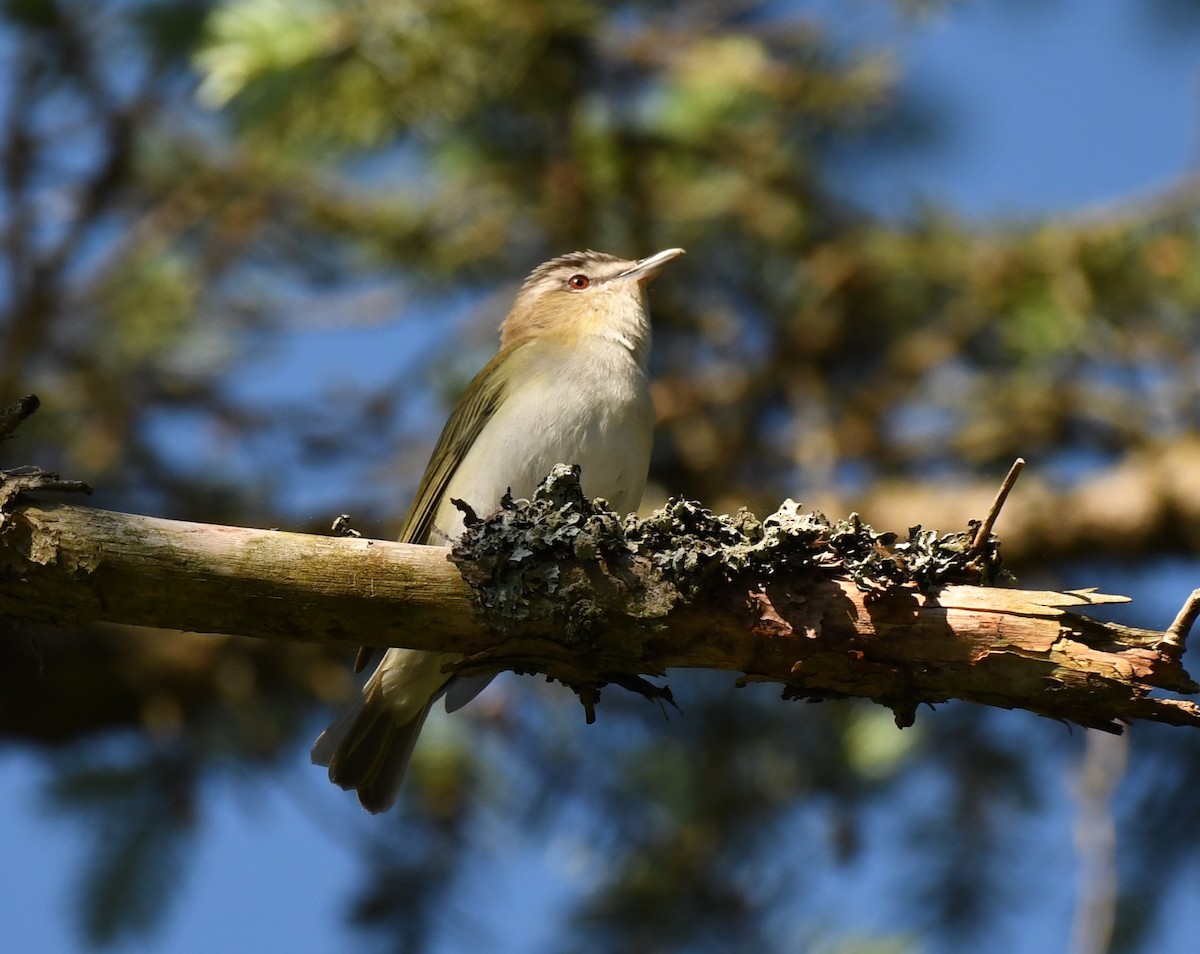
(579, 282)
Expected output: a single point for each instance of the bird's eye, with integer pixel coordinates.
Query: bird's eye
(579, 282)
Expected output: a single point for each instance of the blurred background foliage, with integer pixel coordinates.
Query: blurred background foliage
(189, 189)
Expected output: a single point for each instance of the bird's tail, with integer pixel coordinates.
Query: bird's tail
(367, 749)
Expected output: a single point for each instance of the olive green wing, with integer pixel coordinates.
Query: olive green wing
(470, 415)
(474, 409)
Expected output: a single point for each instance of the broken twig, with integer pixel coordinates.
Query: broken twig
(989, 521)
(1177, 633)
(14, 414)
(16, 482)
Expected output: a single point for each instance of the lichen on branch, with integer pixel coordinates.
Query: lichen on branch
(563, 586)
(826, 608)
(516, 557)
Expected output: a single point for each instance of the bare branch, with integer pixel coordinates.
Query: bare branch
(606, 617)
(1103, 768)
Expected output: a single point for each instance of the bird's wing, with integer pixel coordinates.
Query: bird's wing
(472, 412)
(474, 409)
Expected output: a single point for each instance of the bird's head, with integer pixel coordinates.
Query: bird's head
(586, 294)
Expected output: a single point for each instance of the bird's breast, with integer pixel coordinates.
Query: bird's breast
(594, 413)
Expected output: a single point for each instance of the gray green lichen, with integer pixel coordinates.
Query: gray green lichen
(560, 554)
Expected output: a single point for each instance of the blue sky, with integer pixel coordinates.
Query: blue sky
(1055, 106)
(1052, 107)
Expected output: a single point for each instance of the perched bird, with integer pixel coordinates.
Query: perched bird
(568, 386)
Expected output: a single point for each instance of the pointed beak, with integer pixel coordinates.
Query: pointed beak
(645, 270)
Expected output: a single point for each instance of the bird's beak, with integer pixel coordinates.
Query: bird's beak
(643, 271)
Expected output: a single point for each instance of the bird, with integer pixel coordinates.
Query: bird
(568, 385)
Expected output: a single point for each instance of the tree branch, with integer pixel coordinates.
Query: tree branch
(600, 601)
